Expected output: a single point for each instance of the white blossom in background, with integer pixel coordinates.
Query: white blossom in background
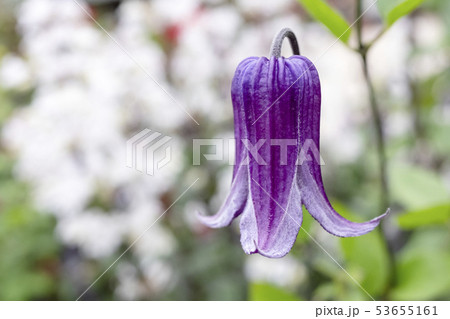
(14, 72)
(130, 285)
(264, 7)
(70, 141)
(197, 67)
(97, 233)
(175, 12)
(286, 272)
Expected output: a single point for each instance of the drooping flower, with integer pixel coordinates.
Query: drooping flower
(276, 105)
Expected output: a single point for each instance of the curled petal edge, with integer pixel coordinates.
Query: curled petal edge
(319, 207)
(234, 204)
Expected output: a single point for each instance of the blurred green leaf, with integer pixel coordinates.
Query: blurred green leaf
(430, 89)
(326, 291)
(268, 292)
(224, 288)
(439, 134)
(322, 12)
(434, 215)
(416, 188)
(392, 10)
(428, 239)
(423, 276)
(28, 248)
(366, 255)
(422, 266)
(338, 286)
(26, 285)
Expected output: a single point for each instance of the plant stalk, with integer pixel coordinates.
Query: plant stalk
(380, 143)
(376, 114)
(379, 133)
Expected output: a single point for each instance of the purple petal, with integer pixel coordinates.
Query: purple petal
(309, 176)
(281, 238)
(272, 217)
(235, 202)
(240, 79)
(318, 205)
(233, 205)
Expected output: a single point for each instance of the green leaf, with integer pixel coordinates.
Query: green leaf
(416, 188)
(28, 248)
(439, 134)
(366, 255)
(422, 266)
(321, 11)
(434, 215)
(326, 291)
(392, 10)
(436, 239)
(268, 292)
(423, 276)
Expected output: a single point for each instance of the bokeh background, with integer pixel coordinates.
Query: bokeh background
(70, 97)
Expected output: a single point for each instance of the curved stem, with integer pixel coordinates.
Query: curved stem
(380, 141)
(275, 50)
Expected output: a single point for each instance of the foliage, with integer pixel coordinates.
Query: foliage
(414, 187)
(392, 10)
(433, 215)
(422, 267)
(28, 249)
(329, 17)
(268, 292)
(367, 256)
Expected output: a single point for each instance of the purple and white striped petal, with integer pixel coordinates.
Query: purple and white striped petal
(309, 175)
(233, 205)
(272, 217)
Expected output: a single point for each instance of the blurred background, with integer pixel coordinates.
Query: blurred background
(72, 93)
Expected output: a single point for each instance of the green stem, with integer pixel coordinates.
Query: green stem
(380, 141)
(376, 114)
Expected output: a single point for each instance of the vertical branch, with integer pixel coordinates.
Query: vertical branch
(380, 141)
(359, 25)
(380, 138)
(375, 110)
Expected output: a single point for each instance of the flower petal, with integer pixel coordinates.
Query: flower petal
(241, 78)
(235, 202)
(233, 205)
(272, 217)
(309, 175)
(318, 205)
(282, 238)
